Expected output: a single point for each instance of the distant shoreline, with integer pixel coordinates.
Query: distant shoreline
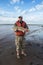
(27, 24)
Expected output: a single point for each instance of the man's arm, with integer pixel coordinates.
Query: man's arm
(26, 28)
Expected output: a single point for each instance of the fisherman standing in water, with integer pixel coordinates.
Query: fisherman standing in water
(19, 36)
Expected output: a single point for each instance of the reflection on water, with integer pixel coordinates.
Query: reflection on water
(36, 35)
(5, 30)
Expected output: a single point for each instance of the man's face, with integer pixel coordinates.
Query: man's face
(20, 19)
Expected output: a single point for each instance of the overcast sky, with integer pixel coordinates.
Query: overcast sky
(31, 10)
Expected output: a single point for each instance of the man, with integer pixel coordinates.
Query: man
(19, 39)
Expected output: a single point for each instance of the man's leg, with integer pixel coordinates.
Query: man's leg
(17, 42)
(23, 47)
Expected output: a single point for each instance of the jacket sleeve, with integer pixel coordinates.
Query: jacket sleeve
(26, 26)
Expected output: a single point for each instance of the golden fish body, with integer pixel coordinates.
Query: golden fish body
(19, 28)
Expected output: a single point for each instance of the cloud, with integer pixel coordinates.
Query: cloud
(33, 1)
(22, 2)
(6, 20)
(17, 1)
(32, 9)
(28, 17)
(9, 17)
(37, 7)
(14, 1)
(16, 8)
(6, 13)
(34, 18)
(32, 15)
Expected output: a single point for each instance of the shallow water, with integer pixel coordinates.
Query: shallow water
(5, 30)
(36, 35)
(34, 51)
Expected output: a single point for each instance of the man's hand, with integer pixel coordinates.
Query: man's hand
(26, 30)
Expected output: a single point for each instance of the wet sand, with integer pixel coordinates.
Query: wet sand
(33, 48)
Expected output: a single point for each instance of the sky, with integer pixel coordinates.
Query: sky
(30, 10)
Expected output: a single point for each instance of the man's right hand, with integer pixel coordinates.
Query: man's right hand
(26, 30)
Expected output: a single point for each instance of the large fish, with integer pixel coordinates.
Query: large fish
(19, 28)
